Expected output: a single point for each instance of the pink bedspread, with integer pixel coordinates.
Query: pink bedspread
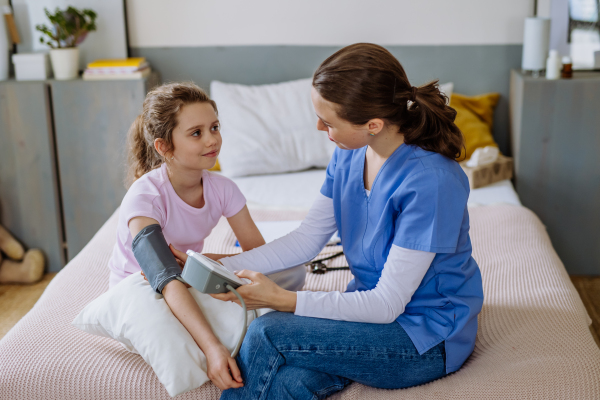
(533, 339)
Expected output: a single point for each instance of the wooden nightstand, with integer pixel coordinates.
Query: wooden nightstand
(555, 134)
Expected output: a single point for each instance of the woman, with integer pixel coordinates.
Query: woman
(398, 198)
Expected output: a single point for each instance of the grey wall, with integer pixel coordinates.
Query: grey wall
(474, 69)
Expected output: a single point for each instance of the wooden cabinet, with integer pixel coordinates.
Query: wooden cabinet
(555, 133)
(62, 159)
(29, 196)
(91, 123)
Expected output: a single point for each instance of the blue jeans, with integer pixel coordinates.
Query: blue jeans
(289, 357)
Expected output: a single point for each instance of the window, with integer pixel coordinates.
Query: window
(584, 32)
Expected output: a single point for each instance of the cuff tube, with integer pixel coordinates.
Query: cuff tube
(155, 258)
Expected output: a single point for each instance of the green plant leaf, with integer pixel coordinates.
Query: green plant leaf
(69, 27)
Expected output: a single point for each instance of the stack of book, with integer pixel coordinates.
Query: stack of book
(127, 68)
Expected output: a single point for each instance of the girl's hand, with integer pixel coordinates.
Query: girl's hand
(222, 368)
(180, 256)
(217, 257)
(262, 292)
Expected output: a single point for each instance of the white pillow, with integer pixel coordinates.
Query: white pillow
(140, 319)
(269, 129)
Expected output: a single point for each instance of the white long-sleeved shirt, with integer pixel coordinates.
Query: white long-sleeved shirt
(402, 273)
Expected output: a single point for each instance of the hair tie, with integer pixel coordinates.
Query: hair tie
(413, 94)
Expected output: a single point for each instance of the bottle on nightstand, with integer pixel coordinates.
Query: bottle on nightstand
(553, 65)
(567, 69)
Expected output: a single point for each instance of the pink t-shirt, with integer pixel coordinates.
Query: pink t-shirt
(184, 226)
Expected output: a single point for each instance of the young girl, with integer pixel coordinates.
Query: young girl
(174, 200)
(398, 198)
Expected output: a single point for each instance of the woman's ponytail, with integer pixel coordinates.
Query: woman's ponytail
(157, 121)
(366, 81)
(429, 122)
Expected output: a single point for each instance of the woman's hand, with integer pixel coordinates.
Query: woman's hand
(222, 369)
(262, 292)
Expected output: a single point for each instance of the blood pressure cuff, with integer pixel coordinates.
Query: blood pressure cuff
(155, 258)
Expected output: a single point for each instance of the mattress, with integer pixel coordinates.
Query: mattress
(297, 190)
(533, 339)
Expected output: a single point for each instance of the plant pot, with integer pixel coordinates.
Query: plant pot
(65, 63)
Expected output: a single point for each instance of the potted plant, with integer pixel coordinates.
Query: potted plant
(69, 28)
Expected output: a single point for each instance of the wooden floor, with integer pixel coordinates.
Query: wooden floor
(589, 291)
(17, 300)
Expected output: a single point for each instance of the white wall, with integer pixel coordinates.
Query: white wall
(107, 42)
(181, 23)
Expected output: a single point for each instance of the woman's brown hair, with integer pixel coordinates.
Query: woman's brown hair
(366, 81)
(157, 121)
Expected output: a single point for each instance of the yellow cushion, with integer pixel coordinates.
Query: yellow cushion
(475, 117)
(217, 167)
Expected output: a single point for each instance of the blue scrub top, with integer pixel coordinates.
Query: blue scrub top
(418, 201)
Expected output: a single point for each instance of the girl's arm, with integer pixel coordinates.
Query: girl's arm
(187, 311)
(245, 230)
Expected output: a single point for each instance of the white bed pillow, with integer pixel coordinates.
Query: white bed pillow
(140, 319)
(269, 129)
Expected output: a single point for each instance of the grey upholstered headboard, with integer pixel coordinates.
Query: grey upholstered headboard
(474, 69)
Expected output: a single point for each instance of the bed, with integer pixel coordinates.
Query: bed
(533, 339)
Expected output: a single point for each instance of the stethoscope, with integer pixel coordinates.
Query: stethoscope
(318, 267)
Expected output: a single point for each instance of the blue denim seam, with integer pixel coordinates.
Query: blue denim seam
(270, 373)
(326, 391)
(359, 353)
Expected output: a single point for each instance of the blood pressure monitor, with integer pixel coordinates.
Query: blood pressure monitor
(208, 276)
